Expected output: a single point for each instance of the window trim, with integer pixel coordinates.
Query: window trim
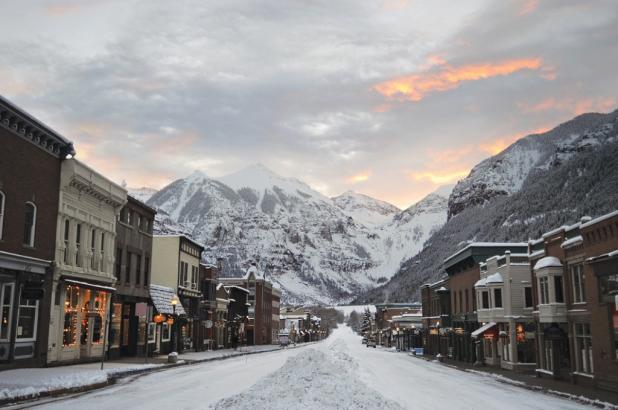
(524, 288)
(579, 295)
(169, 332)
(35, 324)
(33, 227)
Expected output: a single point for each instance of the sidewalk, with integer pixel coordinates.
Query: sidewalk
(584, 394)
(27, 384)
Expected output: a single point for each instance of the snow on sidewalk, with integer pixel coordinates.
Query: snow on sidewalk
(312, 380)
(32, 382)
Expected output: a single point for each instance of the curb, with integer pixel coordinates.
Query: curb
(112, 378)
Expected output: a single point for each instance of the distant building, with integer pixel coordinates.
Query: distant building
(437, 318)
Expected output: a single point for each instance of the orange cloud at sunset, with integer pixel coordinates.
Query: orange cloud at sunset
(362, 177)
(571, 105)
(439, 177)
(416, 86)
(528, 7)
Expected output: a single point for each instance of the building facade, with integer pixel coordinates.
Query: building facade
(504, 309)
(131, 306)
(30, 164)
(83, 281)
(436, 318)
(176, 266)
(464, 271)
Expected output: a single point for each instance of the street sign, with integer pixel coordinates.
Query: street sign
(141, 309)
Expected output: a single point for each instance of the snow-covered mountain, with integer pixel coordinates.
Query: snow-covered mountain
(142, 194)
(317, 248)
(505, 173)
(365, 209)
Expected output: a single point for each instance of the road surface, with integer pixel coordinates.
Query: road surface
(338, 373)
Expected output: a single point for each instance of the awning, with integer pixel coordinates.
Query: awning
(90, 285)
(162, 300)
(479, 332)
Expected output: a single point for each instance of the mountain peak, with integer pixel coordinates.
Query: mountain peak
(197, 175)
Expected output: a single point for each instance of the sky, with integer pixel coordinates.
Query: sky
(390, 98)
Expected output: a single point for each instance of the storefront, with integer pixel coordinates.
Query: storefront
(21, 307)
(169, 324)
(84, 318)
(128, 327)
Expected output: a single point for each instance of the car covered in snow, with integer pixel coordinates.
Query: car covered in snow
(371, 343)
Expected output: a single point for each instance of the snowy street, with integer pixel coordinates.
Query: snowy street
(337, 373)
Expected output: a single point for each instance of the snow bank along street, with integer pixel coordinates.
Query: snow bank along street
(338, 373)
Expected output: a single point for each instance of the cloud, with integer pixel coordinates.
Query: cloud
(439, 177)
(574, 106)
(528, 6)
(415, 87)
(61, 9)
(361, 177)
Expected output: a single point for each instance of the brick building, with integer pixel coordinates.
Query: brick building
(436, 311)
(30, 163)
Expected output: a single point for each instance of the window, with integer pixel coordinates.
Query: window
(615, 326)
(165, 332)
(6, 310)
(102, 260)
(583, 348)
(29, 224)
(527, 296)
(460, 302)
(577, 276)
(138, 269)
(497, 298)
(27, 317)
(71, 305)
(66, 241)
(93, 249)
(194, 276)
(118, 267)
(485, 299)
(127, 273)
(609, 284)
(467, 304)
(129, 216)
(558, 289)
(1, 212)
(152, 328)
(184, 274)
(543, 290)
(455, 301)
(146, 271)
(78, 244)
(139, 222)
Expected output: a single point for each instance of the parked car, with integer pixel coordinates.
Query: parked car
(364, 340)
(371, 343)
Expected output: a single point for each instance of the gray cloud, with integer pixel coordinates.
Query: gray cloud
(161, 90)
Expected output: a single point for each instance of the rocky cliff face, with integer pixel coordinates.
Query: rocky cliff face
(317, 248)
(505, 173)
(529, 189)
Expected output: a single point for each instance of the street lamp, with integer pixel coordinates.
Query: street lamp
(172, 357)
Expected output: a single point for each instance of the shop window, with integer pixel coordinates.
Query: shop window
(165, 332)
(29, 224)
(528, 297)
(28, 315)
(152, 327)
(577, 279)
(71, 306)
(544, 290)
(6, 310)
(497, 298)
(583, 348)
(114, 332)
(558, 289)
(1, 212)
(97, 328)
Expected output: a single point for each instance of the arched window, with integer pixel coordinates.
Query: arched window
(1, 213)
(30, 224)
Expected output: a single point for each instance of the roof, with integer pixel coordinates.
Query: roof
(478, 332)
(479, 251)
(495, 278)
(610, 255)
(547, 262)
(161, 298)
(181, 236)
(599, 219)
(233, 287)
(576, 240)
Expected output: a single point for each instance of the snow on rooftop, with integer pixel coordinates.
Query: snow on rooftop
(599, 219)
(547, 262)
(495, 278)
(486, 245)
(576, 240)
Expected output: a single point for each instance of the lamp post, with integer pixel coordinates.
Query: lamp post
(173, 356)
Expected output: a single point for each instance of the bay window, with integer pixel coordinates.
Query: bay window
(543, 290)
(558, 289)
(485, 299)
(497, 298)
